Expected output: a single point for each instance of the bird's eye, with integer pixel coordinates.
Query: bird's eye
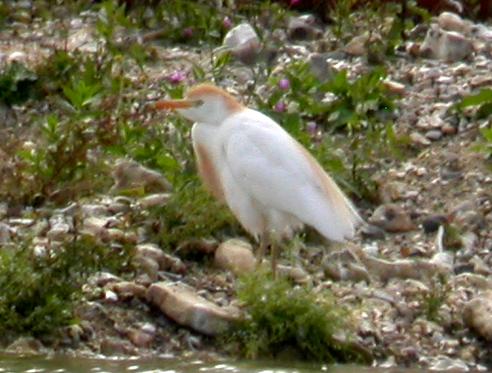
(197, 103)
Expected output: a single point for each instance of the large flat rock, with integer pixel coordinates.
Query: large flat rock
(183, 305)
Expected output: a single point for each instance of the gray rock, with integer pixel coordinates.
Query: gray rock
(243, 42)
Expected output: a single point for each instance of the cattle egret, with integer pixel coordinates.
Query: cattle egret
(272, 184)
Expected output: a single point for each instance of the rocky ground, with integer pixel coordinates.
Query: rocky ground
(418, 275)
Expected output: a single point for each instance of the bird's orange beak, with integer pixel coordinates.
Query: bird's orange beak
(176, 104)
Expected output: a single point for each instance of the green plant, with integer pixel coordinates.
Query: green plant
(482, 101)
(355, 105)
(17, 84)
(281, 316)
(485, 146)
(432, 301)
(39, 292)
(191, 22)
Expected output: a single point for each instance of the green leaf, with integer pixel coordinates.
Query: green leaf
(483, 97)
(485, 110)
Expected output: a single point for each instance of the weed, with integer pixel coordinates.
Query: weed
(485, 146)
(432, 301)
(38, 292)
(482, 101)
(281, 316)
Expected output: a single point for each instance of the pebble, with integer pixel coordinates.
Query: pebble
(419, 139)
(434, 135)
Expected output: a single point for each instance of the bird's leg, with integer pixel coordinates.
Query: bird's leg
(264, 242)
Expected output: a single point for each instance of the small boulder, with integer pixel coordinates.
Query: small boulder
(26, 346)
(477, 315)
(303, 28)
(183, 305)
(452, 22)
(445, 45)
(243, 42)
(128, 174)
(113, 346)
(128, 289)
(153, 200)
(392, 218)
(165, 261)
(235, 256)
(142, 336)
(357, 46)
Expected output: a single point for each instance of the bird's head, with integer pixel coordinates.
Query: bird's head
(204, 103)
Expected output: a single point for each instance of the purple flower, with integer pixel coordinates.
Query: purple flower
(188, 32)
(284, 84)
(176, 77)
(280, 107)
(227, 23)
(295, 2)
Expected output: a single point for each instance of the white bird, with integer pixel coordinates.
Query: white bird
(272, 184)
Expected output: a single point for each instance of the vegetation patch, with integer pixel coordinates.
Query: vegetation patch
(39, 291)
(282, 317)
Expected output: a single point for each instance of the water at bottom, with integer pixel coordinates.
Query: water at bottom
(60, 364)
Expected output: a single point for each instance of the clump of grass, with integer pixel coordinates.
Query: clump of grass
(39, 292)
(432, 301)
(284, 317)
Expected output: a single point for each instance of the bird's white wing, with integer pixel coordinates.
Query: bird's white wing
(280, 174)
